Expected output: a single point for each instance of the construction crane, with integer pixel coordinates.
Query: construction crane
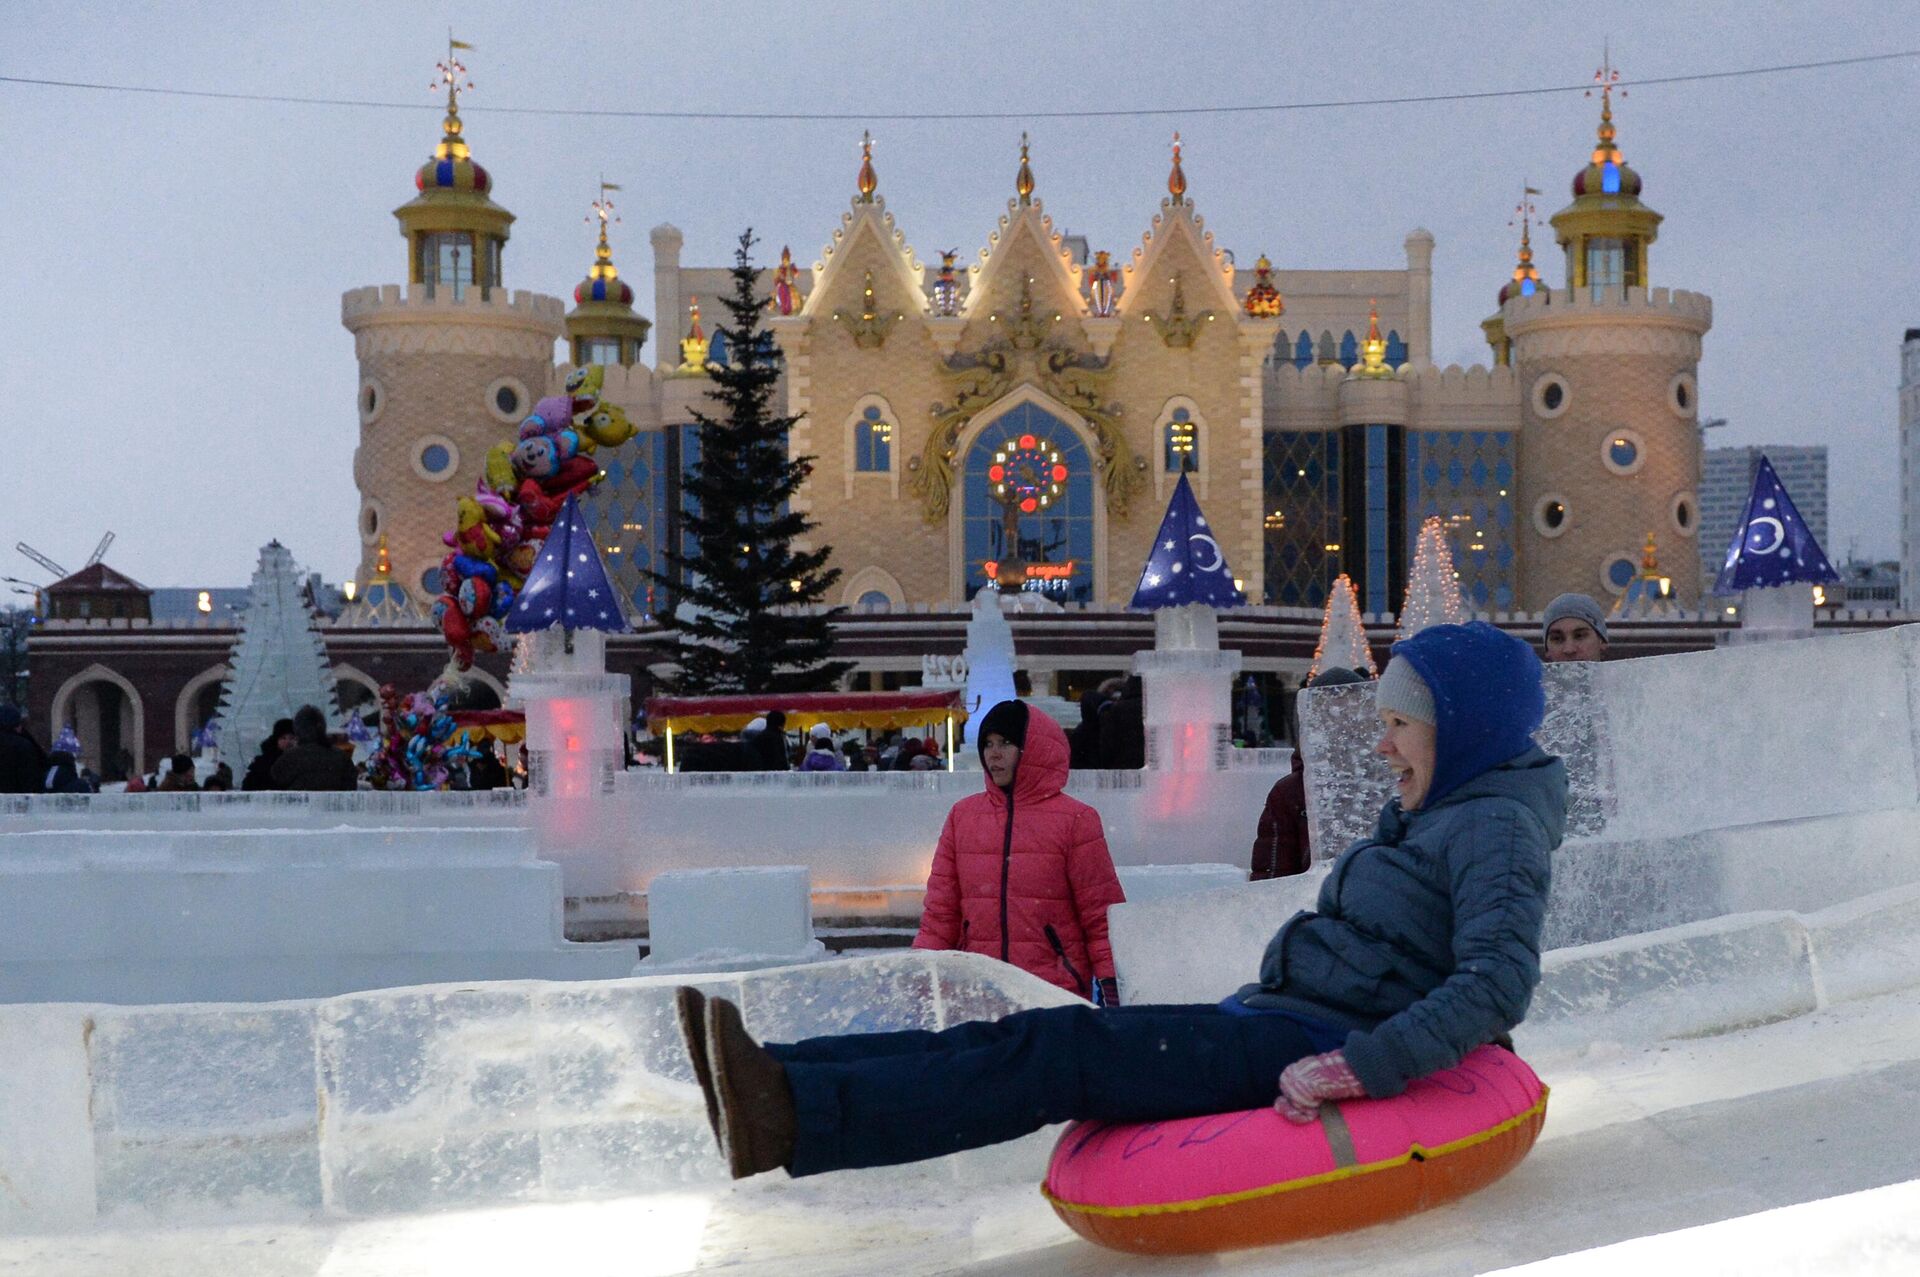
(41, 559)
(100, 551)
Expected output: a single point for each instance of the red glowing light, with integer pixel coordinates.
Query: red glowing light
(997, 473)
(1028, 441)
(1029, 505)
(1059, 474)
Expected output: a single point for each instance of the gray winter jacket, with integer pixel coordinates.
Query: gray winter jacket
(1425, 941)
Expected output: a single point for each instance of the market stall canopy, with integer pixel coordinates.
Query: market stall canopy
(842, 711)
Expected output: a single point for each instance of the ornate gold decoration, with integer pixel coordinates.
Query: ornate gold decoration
(1176, 327)
(693, 350)
(1373, 351)
(1177, 179)
(1024, 350)
(869, 327)
(868, 181)
(1023, 180)
(1263, 300)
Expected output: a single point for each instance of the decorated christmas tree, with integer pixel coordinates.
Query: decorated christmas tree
(742, 618)
(1433, 587)
(278, 662)
(1343, 639)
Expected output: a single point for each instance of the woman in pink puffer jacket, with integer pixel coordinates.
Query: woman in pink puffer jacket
(1022, 872)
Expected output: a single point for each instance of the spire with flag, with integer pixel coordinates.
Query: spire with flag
(568, 586)
(1772, 546)
(1187, 565)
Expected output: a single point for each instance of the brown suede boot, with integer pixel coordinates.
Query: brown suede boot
(757, 1122)
(690, 1008)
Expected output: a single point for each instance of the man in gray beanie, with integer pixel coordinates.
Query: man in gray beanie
(1574, 628)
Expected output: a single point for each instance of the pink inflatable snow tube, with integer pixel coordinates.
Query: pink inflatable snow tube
(1253, 1178)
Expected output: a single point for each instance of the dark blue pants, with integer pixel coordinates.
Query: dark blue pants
(876, 1099)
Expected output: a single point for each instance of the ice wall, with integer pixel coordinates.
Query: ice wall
(1773, 776)
(141, 916)
(423, 1098)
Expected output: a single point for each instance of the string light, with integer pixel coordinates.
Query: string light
(1343, 636)
(1433, 596)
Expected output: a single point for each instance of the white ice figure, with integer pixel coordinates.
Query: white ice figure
(989, 659)
(1778, 612)
(576, 723)
(1187, 684)
(278, 662)
(701, 920)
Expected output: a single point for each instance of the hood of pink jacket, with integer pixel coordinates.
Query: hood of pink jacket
(1042, 769)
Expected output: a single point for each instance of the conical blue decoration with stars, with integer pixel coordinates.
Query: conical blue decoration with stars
(1773, 545)
(1187, 565)
(568, 585)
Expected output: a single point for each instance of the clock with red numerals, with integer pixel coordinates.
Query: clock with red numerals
(1027, 473)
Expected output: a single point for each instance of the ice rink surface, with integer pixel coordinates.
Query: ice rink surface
(1678, 1155)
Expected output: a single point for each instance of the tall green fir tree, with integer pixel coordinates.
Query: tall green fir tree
(745, 612)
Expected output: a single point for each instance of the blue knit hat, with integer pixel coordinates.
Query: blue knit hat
(1487, 698)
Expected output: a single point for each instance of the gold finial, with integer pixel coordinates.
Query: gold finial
(1606, 78)
(869, 181)
(1525, 273)
(1649, 561)
(382, 562)
(1373, 351)
(603, 253)
(452, 74)
(1023, 181)
(1177, 179)
(694, 347)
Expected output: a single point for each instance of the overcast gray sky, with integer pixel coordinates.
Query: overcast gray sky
(173, 367)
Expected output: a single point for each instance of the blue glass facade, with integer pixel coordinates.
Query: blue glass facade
(633, 513)
(1352, 500)
(1059, 535)
(1466, 478)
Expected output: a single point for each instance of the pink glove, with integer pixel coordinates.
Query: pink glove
(1306, 1083)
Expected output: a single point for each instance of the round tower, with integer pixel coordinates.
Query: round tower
(1609, 445)
(448, 366)
(603, 327)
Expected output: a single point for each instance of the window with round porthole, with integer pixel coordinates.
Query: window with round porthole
(1683, 396)
(1550, 515)
(436, 458)
(1551, 395)
(1623, 451)
(372, 520)
(1617, 572)
(1686, 514)
(373, 397)
(508, 400)
(431, 580)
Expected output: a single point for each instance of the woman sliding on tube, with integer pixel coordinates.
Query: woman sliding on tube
(1425, 943)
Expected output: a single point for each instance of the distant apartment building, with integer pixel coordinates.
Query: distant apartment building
(1910, 470)
(1726, 480)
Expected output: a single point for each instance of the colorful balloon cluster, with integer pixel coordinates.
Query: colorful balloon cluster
(416, 740)
(525, 484)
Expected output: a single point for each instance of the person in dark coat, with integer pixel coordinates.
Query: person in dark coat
(179, 775)
(313, 764)
(63, 777)
(1083, 743)
(856, 755)
(1280, 843)
(1123, 728)
(23, 764)
(260, 770)
(486, 771)
(1424, 944)
(768, 746)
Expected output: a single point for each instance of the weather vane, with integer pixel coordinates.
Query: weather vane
(1524, 212)
(453, 73)
(1608, 75)
(603, 207)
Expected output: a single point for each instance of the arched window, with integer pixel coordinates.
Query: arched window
(1396, 349)
(1349, 350)
(1013, 513)
(717, 352)
(1325, 351)
(1282, 352)
(1181, 440)
(872, 441)
(1303, 350)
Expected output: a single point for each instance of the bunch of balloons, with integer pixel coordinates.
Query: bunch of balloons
(416, 740)
(526, 482)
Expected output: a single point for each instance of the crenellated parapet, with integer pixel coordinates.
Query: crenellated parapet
(1660, 321)
(387, 319)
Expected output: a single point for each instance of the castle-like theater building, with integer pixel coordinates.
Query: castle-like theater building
(1024, 417)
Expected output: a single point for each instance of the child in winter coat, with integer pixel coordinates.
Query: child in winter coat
(1424, 944)
(1022, 872)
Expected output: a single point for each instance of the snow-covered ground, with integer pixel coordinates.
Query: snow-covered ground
(1751, 1152)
